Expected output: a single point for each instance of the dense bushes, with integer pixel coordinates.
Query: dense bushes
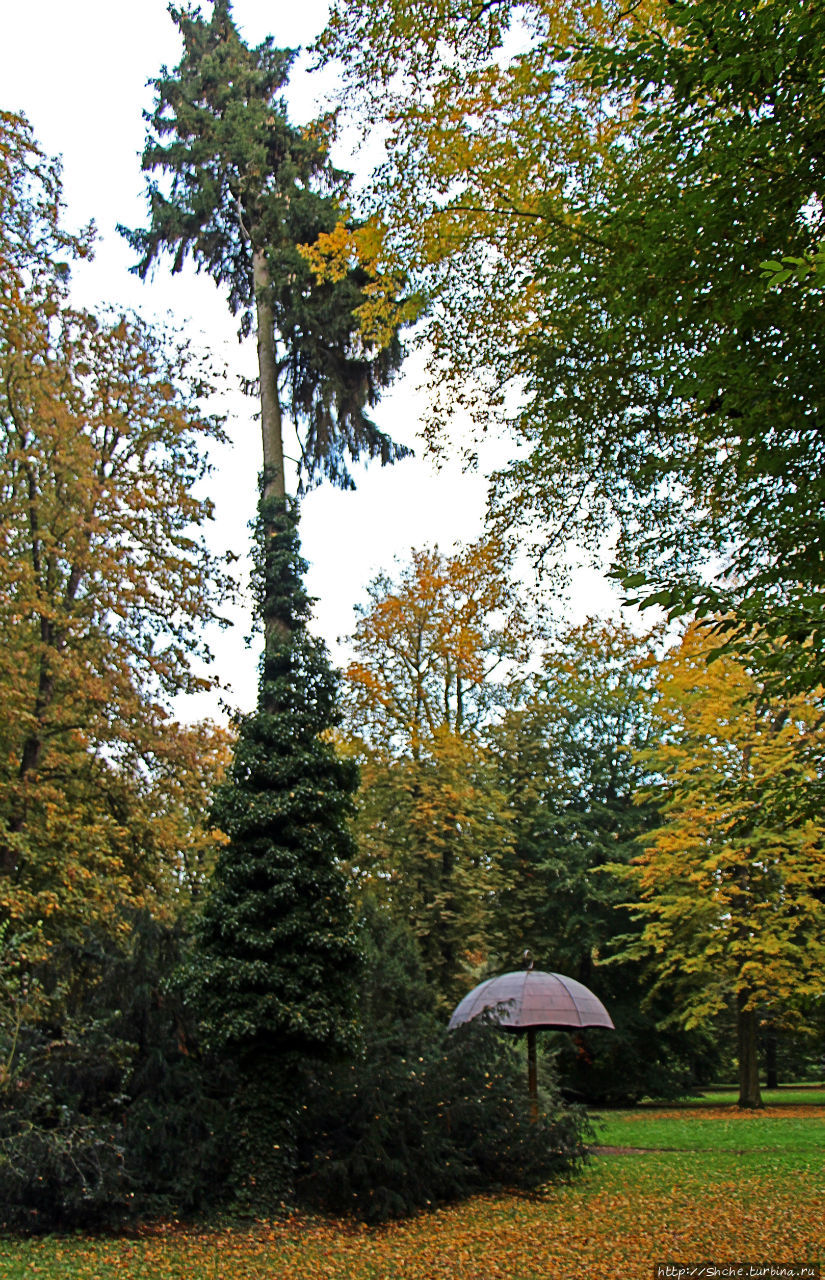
(110, 1112)
(422, 1114)
(107, 1111)
(392, 1135)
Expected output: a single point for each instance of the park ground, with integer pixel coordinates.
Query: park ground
(695, 1183)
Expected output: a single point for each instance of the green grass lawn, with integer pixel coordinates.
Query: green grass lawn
(809, 1095)
(738, 1187)
(723, 1130)
(786, 1096)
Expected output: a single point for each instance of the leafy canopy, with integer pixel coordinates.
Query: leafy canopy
(591, 198)
(436, 651)
(105, 578)
(484, 123)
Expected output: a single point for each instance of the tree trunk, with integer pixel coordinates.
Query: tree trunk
(271, 417)
(771, 1072)
(264, 1155)
(274, 478)
(448, 912)
(749, 1094)
(31, 753)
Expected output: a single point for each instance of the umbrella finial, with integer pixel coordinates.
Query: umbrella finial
(528, 960)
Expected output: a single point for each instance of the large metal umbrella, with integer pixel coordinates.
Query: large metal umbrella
(531, 1000)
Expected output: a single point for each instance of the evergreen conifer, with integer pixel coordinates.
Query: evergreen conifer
(276, 952)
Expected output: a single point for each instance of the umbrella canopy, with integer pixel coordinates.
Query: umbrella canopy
(529, 998)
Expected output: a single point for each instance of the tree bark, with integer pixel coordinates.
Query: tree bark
(749, 1093)
(274, 478)
(271, 416)
(771, 1072)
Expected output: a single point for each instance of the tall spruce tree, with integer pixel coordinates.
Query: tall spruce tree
(275, 952)
(243, 190)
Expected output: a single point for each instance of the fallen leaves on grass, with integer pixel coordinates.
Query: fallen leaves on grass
(619, 1218)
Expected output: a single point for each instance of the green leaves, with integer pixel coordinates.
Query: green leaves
(589, 216)
(273, 969)
(808, 270)
(690, 388)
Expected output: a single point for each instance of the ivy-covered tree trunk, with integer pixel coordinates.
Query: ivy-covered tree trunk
(241, 191)
(273, 975)
(267, 1108)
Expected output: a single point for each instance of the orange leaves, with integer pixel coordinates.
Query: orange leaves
(624, 1214)
(436, 651)
(735, 1115)
(433, 647)
(386, 306)
(105, 581)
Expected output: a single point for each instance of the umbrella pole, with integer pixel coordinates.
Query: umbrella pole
(532, 1073)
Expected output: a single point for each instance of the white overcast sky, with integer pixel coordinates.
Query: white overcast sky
(78, 69)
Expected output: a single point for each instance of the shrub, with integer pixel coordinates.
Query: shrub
(107, 1111)
(424, 1115)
